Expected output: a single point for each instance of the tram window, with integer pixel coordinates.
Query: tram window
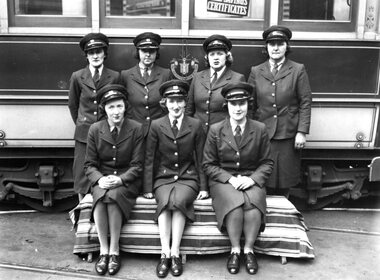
(319, 15)
(140, 13)
(143, 8)
(317, 9)
(228, 14)
(51, 13)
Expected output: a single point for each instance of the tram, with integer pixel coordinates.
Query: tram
(337, 40)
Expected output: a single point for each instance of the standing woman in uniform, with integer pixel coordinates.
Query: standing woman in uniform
(205, 101)
(283, 100)
(173, 172)
(113, 166)
(237, 162)
(84, 85)
(144, 79)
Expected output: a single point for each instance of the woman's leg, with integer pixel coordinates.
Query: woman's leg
(178, 225)
(101, 223)
(165, 228)
(115, 218)
(252, 223)
(234, 225)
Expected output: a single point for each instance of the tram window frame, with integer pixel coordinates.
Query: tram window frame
(228, 23)
(33, 20)
(320, 25)
(136, 22)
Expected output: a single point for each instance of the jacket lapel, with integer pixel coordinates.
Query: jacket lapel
(136, 75)
(228, 135)
(104, 78)
(205, 79)
(224, 79)
(105, 132)
(247, 134)
(87, 78)
(154, 75)
(284, 70)
(124, 131)
(265, 71)
(185, 127)
(166, 128)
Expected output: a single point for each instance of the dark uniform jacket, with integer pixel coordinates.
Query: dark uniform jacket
(123, 158)
(206, 104)
(82, 103)
(169, 159)
(283, 102)
(223, 159)
(144, 97)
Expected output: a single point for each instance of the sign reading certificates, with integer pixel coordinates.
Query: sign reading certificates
(229, 7)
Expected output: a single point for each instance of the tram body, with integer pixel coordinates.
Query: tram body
(36, 130)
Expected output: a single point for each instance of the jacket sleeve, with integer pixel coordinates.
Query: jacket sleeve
(211, 161)
(74, 97)
(265, 166)
(200, 142)
(304, 99)
(150, 154)
(252, 82)
(135, 166)
(190, 106)
(91, 164)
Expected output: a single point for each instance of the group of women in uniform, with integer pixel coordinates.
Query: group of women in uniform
(143, 132)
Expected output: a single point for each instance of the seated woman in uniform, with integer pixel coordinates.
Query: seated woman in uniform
(173, 172)
(113, 165)
(237, 162)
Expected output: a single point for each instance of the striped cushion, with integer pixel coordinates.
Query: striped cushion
(284, 235)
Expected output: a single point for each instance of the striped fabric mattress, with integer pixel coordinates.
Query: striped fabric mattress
(284, 235)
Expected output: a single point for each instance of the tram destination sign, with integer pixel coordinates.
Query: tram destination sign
(230, 7)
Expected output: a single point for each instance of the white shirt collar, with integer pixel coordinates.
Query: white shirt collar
(92, 70)
(142, 67)
(117, 127)
(234, 124)
(280, 63)
(179, 121)
(219, 73)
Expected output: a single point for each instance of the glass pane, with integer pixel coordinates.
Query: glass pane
(244, 9)
(51, 7)
(142, 8)
(338, 10)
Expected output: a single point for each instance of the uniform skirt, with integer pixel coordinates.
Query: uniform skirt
(287, 165)
(81, 183)
(122, 196)
(226, 198)
(176, 196)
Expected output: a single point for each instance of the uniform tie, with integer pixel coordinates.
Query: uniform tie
(175, 127)
(275, 69)
(238, 135)
(213, 79)
(114, 133)
(146, 74)
(96, 77)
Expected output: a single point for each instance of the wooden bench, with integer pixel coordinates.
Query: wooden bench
(284, 235)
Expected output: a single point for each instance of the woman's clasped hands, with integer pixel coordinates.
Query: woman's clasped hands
(241, 182)
(110, 182)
